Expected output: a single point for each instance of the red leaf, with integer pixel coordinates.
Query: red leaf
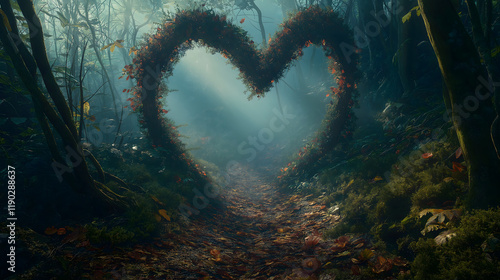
(427, 155)
(51, 230)
(458, 152)
(61, 231)
(457, 167)
(242, 20)
(342, 241)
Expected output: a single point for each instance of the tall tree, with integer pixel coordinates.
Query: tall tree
(77, 173)
(470, 96)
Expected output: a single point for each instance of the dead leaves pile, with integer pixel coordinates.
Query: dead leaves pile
(259, 234)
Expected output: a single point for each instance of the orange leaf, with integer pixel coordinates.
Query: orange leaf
(163, 213)
(50, 230)
(61, 231)
(427, 155)
(457, 167)
(156, 200)
(157, 218)
(242, 20)
(215, 253)
(342, 241)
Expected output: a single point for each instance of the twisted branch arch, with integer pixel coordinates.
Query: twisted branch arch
(258, 68)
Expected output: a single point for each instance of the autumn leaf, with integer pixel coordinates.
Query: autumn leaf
(86, 108)
(377, 178)
(50, 230)
(5, 20)
(156, 200)
(61, 231)
(157, 218)
(163, 213)
(427, 155)
(215, 253)
(458, 152)
(242, 20)
(342, 241)
(132, 50)
(408, 15)
(106, 46)
(349, 184)
(365, 255)
(458, 167)
(382, 265)
(398, 261)
(112, 46)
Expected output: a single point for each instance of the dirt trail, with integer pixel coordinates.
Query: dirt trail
(259, 233)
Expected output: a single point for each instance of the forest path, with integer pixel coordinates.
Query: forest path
(259, 233)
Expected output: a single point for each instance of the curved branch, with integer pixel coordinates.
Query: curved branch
(259, 69)
(38, 46)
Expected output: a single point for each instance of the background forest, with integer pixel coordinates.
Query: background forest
(412, 173)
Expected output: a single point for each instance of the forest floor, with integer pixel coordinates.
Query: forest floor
(258, 233)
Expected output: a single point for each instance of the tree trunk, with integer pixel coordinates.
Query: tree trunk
(406, 51)
(470, 97)
(63, 122)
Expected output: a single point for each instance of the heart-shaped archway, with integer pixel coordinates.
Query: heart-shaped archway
(258, 69)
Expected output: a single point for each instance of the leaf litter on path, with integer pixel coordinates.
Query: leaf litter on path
(259, 234)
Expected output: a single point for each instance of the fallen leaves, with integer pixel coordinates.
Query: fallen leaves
(458, 167)
(427, 155)
(256, 238)
(216, 254)
(365, 255)
(382, 265)
(164, 214)
(50, 230)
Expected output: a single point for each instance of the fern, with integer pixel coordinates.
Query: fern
(438, 218)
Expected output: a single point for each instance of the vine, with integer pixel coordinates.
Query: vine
(258, 69)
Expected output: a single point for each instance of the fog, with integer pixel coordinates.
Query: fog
(208, 102)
